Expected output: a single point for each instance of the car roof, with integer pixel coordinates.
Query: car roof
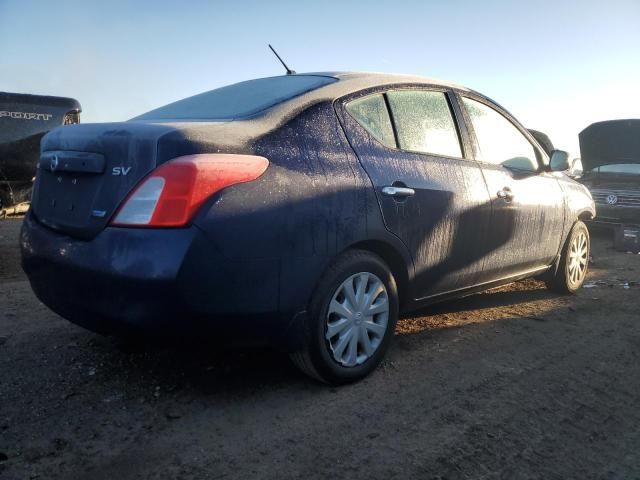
(379, 77)
(354, 81)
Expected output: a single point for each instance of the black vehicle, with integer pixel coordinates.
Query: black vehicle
(24, 119)
(610, 156)
(307, 210)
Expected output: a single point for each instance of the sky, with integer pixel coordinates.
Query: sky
(558, 66)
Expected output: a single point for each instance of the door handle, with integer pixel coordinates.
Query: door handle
(506, 194)
(398, 191)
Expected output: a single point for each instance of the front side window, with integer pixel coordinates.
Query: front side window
(499, 141)
(371, 112)
(424, 122)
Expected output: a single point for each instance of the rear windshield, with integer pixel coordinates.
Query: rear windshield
(238, 100)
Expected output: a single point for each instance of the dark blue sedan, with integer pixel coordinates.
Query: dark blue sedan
(305, 210)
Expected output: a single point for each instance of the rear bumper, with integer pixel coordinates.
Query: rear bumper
(165, 282)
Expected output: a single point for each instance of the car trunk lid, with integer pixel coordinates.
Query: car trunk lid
(86, 171)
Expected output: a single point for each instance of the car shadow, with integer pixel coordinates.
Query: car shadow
(196, 369)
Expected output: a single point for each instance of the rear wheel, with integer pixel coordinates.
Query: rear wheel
(574, 261)
(353, 314)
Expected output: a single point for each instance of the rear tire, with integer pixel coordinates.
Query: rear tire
(352, 319)
(574, 261)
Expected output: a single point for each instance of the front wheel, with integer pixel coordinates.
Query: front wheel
(353, 314)
(574, 261)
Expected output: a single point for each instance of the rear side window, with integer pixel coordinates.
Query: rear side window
(238, 100)
(499, 141)
(424, 122)
(371, 112)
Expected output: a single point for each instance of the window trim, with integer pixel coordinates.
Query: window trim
(463, 131)
(394, 127)
(541, 158)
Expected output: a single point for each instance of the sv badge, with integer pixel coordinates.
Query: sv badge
(120, 170)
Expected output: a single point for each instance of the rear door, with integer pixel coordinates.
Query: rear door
(528, 204)
(433, 197)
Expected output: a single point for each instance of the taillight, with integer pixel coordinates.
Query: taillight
(173, 193)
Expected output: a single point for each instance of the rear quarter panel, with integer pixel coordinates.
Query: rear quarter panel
(271, 239)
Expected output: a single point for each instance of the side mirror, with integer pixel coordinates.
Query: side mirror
(559, 161)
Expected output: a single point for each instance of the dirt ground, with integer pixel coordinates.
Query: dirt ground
(516, 383)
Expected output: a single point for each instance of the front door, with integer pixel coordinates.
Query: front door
(528, 206)
(432, 197)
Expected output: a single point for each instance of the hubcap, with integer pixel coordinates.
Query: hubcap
(357, 319)
(578, 259)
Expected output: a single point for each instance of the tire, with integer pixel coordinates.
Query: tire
(335, 323)
(578, 245)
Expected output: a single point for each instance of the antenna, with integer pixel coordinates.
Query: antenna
(289, 71)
